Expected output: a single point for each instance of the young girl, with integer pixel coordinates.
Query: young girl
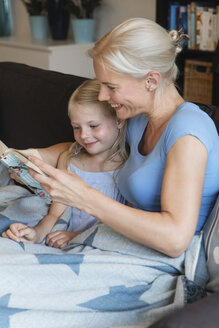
(96, 156)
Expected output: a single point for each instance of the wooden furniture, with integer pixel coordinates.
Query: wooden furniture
(162, 18)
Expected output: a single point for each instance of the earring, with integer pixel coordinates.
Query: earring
(148, 83)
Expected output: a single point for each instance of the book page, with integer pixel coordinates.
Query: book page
(20, 169)
(23, 155)
(18, 163)
(24, 159)
(3, 148)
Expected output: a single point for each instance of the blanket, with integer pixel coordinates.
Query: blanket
(101, 279)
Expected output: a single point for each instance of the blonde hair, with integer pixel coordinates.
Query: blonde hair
(137, 46)
(87, 94)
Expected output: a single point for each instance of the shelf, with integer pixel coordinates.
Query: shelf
(63, 56)
(162, 18)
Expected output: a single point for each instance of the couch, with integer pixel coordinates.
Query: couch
(33, 113)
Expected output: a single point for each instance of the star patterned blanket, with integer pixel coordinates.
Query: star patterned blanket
(101, 279)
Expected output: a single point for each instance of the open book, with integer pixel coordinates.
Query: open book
(17, 161)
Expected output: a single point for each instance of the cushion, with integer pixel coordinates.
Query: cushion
(212, 111)
(211, 240)
(201, 314)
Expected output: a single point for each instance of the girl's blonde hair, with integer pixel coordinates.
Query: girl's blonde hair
(137, 46)
(87, 94)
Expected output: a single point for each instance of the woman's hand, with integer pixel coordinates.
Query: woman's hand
(63, 186)
(20, 232)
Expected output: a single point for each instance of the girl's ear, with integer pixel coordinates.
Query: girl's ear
(152, 80)
(120, 123)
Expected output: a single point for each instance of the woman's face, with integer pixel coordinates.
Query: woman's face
(127, 95)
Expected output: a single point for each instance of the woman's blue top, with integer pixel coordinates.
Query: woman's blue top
(140, 180)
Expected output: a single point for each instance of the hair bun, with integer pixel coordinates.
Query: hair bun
(178, 38)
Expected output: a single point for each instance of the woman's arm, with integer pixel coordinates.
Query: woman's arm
(55, 212)
(169, 231)
(22, 232)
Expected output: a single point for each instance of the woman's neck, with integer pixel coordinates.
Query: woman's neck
(158, 119)
(167, 105)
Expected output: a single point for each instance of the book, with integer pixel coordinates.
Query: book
(215, 27)
(173, 13)
(206, 21)
(17, 161)
(182, 19)
(217, 17)
(206, 28)
(191, 25)
(199, 25)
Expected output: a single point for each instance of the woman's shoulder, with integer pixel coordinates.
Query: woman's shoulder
(192, 114)
(189, 119)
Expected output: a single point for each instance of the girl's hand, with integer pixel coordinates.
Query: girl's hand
(20, 232)
(63, 186)
(60, 239)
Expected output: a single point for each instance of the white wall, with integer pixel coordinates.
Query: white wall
(113, 12)
(109, 14)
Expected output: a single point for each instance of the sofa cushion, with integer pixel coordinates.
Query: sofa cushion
(212, 111)
(211, 240)
(201, 314)
(35, 103)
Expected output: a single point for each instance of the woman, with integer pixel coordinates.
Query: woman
(170, 178)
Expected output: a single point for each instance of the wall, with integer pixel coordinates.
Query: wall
(112, 12)
(109, 14)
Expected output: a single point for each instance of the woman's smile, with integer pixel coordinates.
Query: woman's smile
(116, 106)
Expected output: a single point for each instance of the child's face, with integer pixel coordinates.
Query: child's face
(93, 129)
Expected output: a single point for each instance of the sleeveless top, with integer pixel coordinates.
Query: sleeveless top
(105, 182)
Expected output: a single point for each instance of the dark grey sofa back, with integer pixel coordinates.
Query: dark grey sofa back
(33, 105)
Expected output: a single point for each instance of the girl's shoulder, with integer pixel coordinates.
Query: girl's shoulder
(62, 161)
(79, 160)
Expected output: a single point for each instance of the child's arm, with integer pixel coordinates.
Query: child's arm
(47, 223)
(21, 232)
(60, 239)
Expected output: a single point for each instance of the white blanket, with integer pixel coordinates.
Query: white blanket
(101, 279)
